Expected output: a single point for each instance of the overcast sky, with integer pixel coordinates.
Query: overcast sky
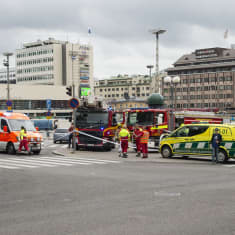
(120, 29)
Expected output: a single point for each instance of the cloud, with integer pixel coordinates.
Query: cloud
(120, 29)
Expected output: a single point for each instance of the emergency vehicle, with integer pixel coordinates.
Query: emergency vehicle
(95, 125)
(195, 139)
(11, 124)
(157, 120)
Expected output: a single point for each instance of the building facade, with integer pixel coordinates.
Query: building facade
(12, 75)
(53, 62)
(32, 100)
(119, 87)
(207, 80)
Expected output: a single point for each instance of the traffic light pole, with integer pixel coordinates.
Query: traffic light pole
(74, 120)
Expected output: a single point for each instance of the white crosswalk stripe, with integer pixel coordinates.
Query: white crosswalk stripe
(54, 161)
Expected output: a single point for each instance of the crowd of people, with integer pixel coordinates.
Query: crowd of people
(141, 136)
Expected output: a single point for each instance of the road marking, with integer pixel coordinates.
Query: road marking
(229, 165)
(16, 163)
(9, 167)
(64, 146)
(38, 162)
(52, 146)
(64, 161)
(93, 159)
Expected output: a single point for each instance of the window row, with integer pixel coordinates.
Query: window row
(209, 70)
(204, 105)
(34, 78)
(35, 61)
(207, 80)
(34, 53)
(35, 69)
(198, 97)
(122, 89)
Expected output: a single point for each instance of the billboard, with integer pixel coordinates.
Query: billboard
(85, 91)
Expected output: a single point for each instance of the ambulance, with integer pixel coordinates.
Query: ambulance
(195, 139)
(10, 126)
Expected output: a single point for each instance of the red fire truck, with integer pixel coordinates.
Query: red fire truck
(158, 120)
(95, 125)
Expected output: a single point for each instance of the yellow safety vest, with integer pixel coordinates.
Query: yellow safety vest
(124, 133)
(22, 134)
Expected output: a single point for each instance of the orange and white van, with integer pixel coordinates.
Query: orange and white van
(10, 126)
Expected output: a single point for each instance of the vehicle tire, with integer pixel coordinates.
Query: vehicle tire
(11, 149)
(222, 156)
(166, 151)
(36, 152)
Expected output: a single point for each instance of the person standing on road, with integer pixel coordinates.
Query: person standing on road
(144, 142)
(23, 140)
(137, 135)
(71, 134)
(215, 140)
(117, 139)
(124, 136)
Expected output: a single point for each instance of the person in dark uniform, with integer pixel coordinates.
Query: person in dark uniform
(215, 140)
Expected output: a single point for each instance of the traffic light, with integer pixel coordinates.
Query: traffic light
(69, 90)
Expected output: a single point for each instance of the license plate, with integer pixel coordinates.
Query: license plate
(151, 144)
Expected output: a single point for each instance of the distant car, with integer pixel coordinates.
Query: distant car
(61, 135)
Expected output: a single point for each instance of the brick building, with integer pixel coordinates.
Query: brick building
(207, 80)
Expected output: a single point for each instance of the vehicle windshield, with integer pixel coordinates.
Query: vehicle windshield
(142, 118)
(92, 119)
(16, 124)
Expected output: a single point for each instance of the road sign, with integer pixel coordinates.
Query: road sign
(9, 103)
(48, 104)
(73, 103)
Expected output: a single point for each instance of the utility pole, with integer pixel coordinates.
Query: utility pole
(6, 63)
(156, 32)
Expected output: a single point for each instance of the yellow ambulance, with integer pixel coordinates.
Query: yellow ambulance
(195, 139)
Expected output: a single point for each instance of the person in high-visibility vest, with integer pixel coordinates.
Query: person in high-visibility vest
(144, 142)
(23, 140)
(137, 135)
(124, 136)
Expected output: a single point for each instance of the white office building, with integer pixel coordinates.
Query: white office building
(53, 62)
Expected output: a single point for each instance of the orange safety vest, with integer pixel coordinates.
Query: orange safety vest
(144, 138)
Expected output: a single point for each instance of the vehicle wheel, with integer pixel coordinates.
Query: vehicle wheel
(36, 152)
(166, 151)
(11, 149)
(222, 156)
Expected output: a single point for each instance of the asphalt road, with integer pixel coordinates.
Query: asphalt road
(119, 196)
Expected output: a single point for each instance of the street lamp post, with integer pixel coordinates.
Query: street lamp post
(172, 81)
(157, 32)
(6, 63)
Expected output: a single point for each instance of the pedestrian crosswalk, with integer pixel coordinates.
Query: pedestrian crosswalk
(52, 161)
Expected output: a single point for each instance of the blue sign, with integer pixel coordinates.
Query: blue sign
(73, 103)
(9, 103)
(48, 104)
(48, 113)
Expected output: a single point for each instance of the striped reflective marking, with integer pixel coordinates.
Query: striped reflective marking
(188, 145)
(228, 145)
(201, 145)
(176, 146)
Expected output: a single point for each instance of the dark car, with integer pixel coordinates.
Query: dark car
(61, 135)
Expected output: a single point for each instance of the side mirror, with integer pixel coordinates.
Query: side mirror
(37, 128)
(5, 129)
